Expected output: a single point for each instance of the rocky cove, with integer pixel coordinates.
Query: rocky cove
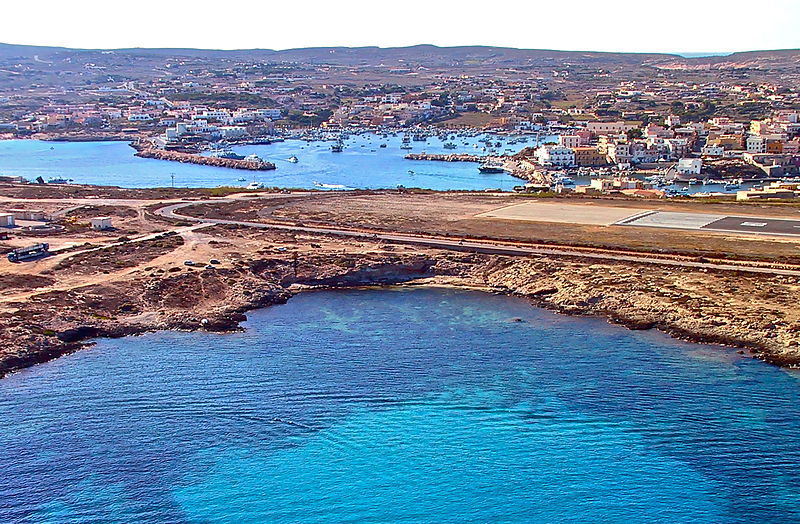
(696, 305)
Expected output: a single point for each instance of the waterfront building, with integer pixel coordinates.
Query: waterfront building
(767, 193)
(555, 155)
(689, 166)
(588, 156)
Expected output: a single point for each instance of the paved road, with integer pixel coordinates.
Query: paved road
(758, 226)
(171, 211)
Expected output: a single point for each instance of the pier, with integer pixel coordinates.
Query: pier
(190, 158)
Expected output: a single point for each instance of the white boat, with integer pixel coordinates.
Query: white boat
(254, 185)
(293, 159)
(330, 186)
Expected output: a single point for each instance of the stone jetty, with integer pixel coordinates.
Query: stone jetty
(452, 157)
(191, 158)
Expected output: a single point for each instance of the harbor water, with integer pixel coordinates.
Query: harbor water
(363, 164)
(397, 405)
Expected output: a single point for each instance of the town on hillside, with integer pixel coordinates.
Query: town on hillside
(645, 125)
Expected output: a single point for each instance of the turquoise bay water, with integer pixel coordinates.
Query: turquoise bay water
(401, 406)
(363, 165)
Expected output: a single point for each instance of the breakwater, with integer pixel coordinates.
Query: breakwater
(452, 157)
(524, 169)
(190, 158)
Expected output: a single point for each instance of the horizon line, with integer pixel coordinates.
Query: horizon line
(683, 54)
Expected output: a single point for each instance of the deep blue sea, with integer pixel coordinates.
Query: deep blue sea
(363, 165)
(410, 406)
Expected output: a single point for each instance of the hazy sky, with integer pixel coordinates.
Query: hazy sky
(603, 25)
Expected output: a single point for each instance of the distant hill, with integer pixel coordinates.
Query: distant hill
(424, 55)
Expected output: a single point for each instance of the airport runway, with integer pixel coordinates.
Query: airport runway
(602, 215)
(719, 223)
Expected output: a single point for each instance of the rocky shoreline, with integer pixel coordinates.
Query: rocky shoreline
(216, 301)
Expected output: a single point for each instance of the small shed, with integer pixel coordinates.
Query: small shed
(101, 223)
(6, 220)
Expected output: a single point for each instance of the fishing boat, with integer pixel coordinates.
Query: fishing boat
(338, 147)
(293, 159)
(450, 145)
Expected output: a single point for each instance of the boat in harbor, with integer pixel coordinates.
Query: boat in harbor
(227, 154)
(293, 159)
(337, 147)
(254, 185)
(253, 158)
(58, 180)
(450, 145)
(491, 167)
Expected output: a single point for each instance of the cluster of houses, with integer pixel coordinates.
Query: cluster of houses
(773, 145)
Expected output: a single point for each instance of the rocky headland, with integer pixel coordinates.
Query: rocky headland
(697, 305)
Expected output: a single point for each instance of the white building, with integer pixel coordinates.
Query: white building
(101, 223)
(232, 132)
(6, 220)
(554, 155)
(756, 144)
(713, 151)
(689, 166)
(139, 117)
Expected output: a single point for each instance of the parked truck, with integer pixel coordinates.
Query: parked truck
(27, 253)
